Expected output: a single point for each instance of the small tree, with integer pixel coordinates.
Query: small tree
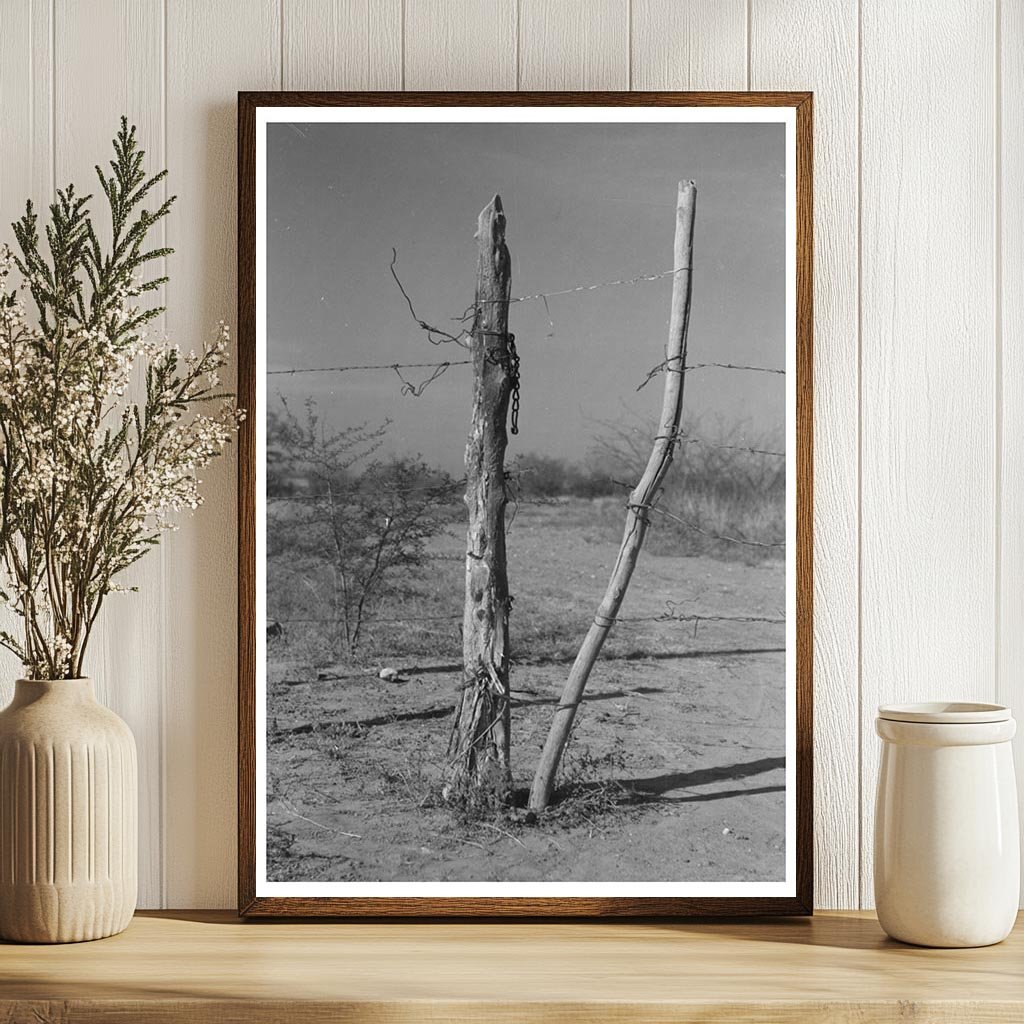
(368, 528)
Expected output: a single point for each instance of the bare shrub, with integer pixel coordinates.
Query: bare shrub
(346, 529)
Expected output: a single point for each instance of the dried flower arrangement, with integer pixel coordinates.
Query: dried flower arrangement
(90, 476)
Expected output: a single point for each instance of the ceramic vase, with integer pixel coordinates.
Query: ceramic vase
(947, 848)
(68, 815)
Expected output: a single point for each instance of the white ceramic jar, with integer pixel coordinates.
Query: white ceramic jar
(947, 848)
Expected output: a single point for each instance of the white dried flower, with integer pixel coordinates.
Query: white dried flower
(96, 462)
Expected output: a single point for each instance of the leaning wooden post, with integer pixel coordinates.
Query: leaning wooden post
(640, 500)
(478, 770)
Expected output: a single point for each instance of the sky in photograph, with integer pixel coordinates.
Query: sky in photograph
(585, 204)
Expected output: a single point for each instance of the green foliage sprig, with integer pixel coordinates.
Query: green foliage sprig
(89, 477)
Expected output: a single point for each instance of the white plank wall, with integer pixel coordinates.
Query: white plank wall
(696, 44)
(226, 46)
(831, 72)
(442, 44)
(342, 44)
(928, 511)
(26, 159)
(1009, 314)
(919, 295)
(574, 44)
(26, 169)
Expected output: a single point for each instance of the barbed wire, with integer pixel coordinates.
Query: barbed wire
(445, 336)
(435, 335)
(440, 367)
(665, 365)
(439, 336)
(650, 506)
(410, 388)
(639, 279)
(681, 438)
(671, 615)
(371, 366)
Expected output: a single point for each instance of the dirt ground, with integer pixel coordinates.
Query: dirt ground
(675, 771)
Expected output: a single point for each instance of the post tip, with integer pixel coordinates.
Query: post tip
(493, 207)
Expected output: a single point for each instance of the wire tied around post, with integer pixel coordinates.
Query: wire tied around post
(512, 369)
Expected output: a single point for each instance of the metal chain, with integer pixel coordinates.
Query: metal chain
(513, 369)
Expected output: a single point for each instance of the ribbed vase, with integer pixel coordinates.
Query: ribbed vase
(68, 815)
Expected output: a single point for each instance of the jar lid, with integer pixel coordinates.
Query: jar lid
(945, 713)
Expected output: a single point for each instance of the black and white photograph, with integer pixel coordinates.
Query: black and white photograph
(525, 502)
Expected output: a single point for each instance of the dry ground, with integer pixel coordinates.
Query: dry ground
(675, 771)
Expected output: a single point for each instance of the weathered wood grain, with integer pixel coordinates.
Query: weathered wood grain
(210, 968)
(689, 44)
(479, 765)
(342, 44)
(26, 76)
(574, 44)
(469, 45)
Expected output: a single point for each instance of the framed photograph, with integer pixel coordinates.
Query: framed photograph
(525, 504)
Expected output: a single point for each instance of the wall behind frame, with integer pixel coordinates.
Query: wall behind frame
(919, 324)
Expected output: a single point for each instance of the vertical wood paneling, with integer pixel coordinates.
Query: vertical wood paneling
(213, 50)
(941, 233)
(574, 44)
(689, 44)
(797, 45)
(127, 665)
(469, 45)
(342, 44)
(26, 169)
(928, 544)
(1010, 241)
(26, 67)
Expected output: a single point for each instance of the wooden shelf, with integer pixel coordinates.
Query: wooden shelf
(210, 967)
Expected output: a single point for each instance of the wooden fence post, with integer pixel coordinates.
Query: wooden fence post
(640, 500)
(478, 772)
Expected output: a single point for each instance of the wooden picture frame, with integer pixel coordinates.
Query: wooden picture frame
(251, 901)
